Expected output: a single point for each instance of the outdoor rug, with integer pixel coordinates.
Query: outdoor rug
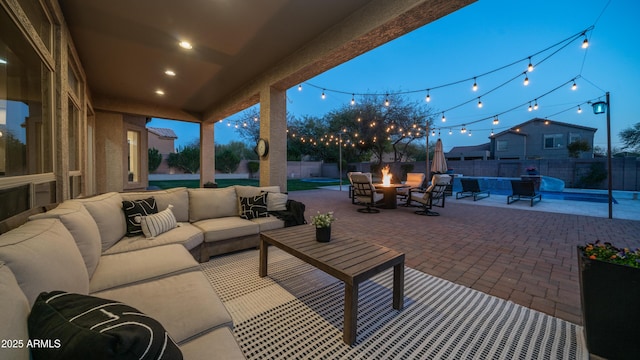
(297, 313)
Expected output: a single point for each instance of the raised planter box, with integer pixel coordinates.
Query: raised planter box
(610, 296)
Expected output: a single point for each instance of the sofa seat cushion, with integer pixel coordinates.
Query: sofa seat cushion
(178, 197)
(141, 265)
(227, 228)
(185, 304)
(14, 310)
(212, 203)
(44, 257)
(185, 234)
(219, 342)
(268, 223)
(106, 210)
(83, 228)
(87, 327)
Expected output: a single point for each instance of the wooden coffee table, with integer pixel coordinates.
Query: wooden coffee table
(350, 260)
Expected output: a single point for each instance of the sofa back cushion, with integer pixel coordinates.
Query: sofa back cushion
(83, 228)
(43, 257)
(212, 203)
(106, 210)
(178, 197)
(249, 191)
(14, 310)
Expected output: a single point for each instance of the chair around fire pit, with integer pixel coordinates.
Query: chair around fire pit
(365, 193)
(434, 195)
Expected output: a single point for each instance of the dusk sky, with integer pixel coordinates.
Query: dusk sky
(478, 39)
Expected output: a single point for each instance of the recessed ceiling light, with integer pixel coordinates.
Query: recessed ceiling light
(159, 92)
(3, 61)
(170, 73)
(185, 45)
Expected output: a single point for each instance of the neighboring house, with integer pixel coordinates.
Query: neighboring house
(163, 140)
(474, 152)
(540, 139)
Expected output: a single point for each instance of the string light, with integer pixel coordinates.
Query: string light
(530, 67)
(585, 42)
(479, 103)
(535, 105)
(491, 132)
(300, 87)
(443, 118)
(428, 98)
(323, 96)
(463, 130)
(450, 131)
(469, 132)
(526, 79)
(496, 121)
(433, 133)
(475, 85)
(530, 108)
(574, 86)
(353, 99)
(386, 100)
(579, 110)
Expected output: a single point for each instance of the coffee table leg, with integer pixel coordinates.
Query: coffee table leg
(398, 286)
(264, 252)
(350, 313)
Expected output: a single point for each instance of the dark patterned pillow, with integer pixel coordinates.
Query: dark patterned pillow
(86, 327)
(137, 208)
(253, 206)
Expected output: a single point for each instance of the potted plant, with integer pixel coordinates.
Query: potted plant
(610, 298)
(531, 170)
(322, 222)
(210, 184)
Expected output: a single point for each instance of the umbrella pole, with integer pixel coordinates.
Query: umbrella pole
(428, 174)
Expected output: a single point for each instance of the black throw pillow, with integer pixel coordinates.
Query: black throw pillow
(74, 326)
(254, 206)
(135, 208)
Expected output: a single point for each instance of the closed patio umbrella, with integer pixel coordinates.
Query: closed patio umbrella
(439, 163)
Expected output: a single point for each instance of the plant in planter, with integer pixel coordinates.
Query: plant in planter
(322, 222)
(531, 170)
(610, 294)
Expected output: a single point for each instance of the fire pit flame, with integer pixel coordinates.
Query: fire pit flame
(386, 176)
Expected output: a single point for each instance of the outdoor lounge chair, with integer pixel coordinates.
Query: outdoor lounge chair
(414, 181)
(471, 187)
(523, 189)
(365, 193)
(434, 195)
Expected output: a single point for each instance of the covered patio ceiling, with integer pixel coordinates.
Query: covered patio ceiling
(239, 47)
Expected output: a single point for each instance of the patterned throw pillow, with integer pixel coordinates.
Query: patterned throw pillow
(137, 208)
(253, 206)
(86, 327)
(156, 224)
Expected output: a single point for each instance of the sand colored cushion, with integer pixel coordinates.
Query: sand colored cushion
(253, 206)
(106, 210)
(156, 224)
(44, 257)
(227, 228)
(212, 203)
(185, 234)
(219, 341)
(268, 223)
(277, 201)
(195, 306)
(82, 227)
(89, 327)
(14, 310)
(178, 197)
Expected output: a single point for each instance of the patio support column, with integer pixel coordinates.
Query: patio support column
(273, 127)
(207, 153)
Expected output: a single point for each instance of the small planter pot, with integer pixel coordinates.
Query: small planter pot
(323, 234)
(610, 294)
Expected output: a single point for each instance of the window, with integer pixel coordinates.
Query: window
(25, 120)
(553, 141)
(133, 157)
(501, 145)
(573, 137)
(74, 137)
(39, 19)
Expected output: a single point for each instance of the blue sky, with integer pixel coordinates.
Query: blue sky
(479, 38)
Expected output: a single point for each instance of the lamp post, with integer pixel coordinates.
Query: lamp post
(599, 108)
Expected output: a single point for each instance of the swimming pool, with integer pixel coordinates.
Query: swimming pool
(502, 186)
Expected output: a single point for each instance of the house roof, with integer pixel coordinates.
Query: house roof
(469, 149)
(514, 131)
(163, 132)
(239, 47)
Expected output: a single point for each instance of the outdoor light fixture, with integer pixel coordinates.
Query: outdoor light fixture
(185, 45)
(574, 86)
(585, 43)
(353, 99)
(601, 107)
(535, 105)
(496, 121)
(443, 118)
(530, 67)
(323, 96)
(300, 87)
(386, 100)
(479, 103)
(428, 98)
(526, 79)
(579, 110)
(475, 85)
(530, 108)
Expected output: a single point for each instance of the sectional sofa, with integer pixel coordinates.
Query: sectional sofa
(79, 259)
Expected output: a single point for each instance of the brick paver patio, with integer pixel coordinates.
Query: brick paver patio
(528, 257)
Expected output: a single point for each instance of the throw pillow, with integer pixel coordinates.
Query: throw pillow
(254, 206)
(133, 209)
(156, 224)
(277, 201)
(78, 326)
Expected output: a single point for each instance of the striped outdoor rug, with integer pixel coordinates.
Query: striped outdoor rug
(297, 312)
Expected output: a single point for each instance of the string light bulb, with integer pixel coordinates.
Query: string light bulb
(479, 103)
(469, 132)
(433, 133)
(535, 105)
(300, 87)
(579, 110)
(475, 85)
(463, 130)
(574, 86)
(496, 121)
(491, 132)
(386, 100)
(526, 79)
(530, 107)
(530, 66)
(428, 98)
(353, 99)
(450, 131)
(585, 42)
(443, 118)
(323, 96)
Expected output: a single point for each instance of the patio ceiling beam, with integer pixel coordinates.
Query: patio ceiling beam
(135, 108)
(375, 24)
